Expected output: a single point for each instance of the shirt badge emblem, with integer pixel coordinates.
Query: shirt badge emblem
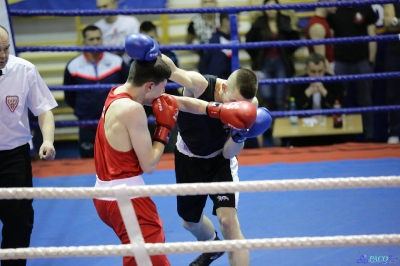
(12, 102)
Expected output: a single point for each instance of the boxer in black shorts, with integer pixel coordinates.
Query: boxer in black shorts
(216, 169)
(205, 152)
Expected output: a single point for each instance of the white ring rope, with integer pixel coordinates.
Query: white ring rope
(209, 246)
(203, 188)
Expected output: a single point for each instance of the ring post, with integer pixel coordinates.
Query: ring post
(234, 38)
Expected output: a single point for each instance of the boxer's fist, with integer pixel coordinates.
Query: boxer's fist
(262, 123)
(236, 115)
(166, 110)
(141, 47)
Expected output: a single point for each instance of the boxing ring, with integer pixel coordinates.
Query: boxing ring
(361, 187)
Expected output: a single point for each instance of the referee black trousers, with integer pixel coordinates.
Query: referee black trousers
(16, 215)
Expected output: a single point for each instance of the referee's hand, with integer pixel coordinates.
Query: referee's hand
(47, 151)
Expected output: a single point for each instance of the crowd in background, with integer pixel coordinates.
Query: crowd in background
(276, 62)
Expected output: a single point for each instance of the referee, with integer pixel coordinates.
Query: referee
(21, 87)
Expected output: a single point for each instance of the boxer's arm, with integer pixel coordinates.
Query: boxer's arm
(192, 81)
(236, 115)
(191, 105)
(231, 148)
(148, 152)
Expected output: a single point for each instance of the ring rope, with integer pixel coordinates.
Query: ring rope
(202, 246)
(274, 114)
(230, 9)
(295, 80)
(204, 188)
(354, 110)
(251, 45)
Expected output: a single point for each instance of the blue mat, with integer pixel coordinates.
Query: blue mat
(74, 222)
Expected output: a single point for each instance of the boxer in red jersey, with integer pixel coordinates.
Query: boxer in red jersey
(124, 148)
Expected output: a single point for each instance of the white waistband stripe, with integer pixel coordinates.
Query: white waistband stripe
(182, 148)
(129, 182)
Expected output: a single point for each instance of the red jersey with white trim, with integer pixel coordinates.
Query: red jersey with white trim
(328, 34)
(111, 164)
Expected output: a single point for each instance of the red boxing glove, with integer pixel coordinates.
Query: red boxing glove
(236, 115)
(165, 109)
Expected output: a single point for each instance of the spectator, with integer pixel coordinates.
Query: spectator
(148, 28)
(116, 28)
(356, 58)
(202, 26)
(274, 62)
(21, 88)
(318, 28)
(316, 95)
(91, 68)
(392, 22)
(218, 62)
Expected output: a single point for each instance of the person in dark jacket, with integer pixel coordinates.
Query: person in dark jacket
(148, 28)
(317, 95)
(274, 62)
(91, 68)
(356, 58)
(218, 62)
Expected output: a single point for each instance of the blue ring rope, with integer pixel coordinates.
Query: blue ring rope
(298, 80)
(274, 114)
(231, 9)
(252, 45)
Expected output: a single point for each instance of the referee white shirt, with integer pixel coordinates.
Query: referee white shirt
(21, 87)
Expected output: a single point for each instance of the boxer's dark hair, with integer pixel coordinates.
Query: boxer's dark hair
(148, 71)
(247, 83)
(4, 29)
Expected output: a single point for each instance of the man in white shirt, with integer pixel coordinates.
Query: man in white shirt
(21, 88)
(116, 28)
(202, 26)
